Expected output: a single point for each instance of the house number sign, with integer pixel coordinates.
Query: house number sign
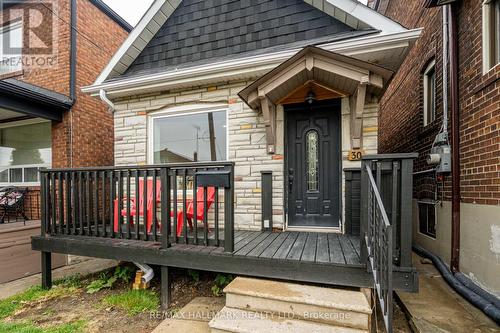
(355, 155)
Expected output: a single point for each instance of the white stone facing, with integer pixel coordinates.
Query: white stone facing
(247, 142)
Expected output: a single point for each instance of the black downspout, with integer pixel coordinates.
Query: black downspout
(72, 68)
(455, 137)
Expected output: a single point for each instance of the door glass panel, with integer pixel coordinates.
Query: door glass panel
(312, 160)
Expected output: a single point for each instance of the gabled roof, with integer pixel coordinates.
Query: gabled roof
(349, 15)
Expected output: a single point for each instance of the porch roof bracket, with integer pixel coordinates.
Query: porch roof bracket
(357, 115)
(269, 114)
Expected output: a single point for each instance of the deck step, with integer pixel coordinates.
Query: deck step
(241, 321)
(338, 307)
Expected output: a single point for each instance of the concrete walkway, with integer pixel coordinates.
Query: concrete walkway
(194, 317)
(438, 308)
(83, 268)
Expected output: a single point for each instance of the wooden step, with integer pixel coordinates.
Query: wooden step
(338, 307)
(241, 321)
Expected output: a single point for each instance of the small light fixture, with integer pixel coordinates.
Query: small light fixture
(311, 97)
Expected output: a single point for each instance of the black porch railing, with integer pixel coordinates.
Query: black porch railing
(386, 221)
(173, 203)
(379, 240)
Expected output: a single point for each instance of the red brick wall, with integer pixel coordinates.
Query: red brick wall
(401, 122)
(85, 136)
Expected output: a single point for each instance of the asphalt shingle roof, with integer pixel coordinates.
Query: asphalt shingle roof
(203, 30)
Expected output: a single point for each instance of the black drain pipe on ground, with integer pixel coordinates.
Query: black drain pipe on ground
(480, 299)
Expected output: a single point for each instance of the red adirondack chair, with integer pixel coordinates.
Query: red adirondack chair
(190, 209)
(149, 206)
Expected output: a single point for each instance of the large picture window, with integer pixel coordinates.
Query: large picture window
(11, 44)
(198, 136)
(25, 148)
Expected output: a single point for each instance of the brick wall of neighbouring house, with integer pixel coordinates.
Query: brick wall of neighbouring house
(88, 128)
(401, 121)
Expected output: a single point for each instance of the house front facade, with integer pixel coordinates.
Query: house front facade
(287, 88)
(413, 114)
(45, 120)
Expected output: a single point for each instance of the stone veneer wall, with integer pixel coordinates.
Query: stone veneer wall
(247, 143)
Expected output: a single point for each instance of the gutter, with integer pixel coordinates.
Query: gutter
(246, 66)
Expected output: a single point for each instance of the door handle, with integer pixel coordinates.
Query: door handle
(290, 180)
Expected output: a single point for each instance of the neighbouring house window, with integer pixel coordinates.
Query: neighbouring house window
(189, 137)
(491, 34)
(25, 148)
(430, 93)
(11, 44)
(312, 160)
(427, 218)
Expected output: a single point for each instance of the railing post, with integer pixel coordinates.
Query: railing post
(229, 214)
(43, 204)
(364, 213)
(406, 219)
(267, 200)
(165, 208)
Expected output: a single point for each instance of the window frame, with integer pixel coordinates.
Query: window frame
(24, 166)
(429, 204)
(9, 26)
(426, 79)
(178, 111)
(491, 35)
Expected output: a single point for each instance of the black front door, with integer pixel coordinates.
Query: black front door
(313, 164)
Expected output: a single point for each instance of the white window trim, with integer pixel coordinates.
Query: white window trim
(48, 166)
(433, 203)
(183, 110)
(6, 28)
(431, 66)
(488, 45)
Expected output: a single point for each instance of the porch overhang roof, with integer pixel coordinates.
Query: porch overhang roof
(32, 100)
(338, 72)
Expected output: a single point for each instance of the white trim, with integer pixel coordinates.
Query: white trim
(488, 45)
(161, 10)
(148, 26)
(7, 58)
(425, 78)
(248, 66)
(178, 111)
(367, 15)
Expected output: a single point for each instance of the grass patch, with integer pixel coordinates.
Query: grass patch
(134, 301)
(10, 305)
(28, 327)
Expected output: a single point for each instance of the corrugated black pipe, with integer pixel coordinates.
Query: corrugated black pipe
(72, 60)
(478, 301)
(455, 141)
(478, 290)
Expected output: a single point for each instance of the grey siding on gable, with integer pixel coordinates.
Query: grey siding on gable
(207, 29)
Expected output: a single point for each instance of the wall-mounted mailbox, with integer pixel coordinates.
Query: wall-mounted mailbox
(213, 178)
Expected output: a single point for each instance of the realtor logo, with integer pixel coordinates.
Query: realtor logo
(28, 34)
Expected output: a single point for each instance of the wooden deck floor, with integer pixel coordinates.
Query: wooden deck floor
(298, 256)
(308, 247)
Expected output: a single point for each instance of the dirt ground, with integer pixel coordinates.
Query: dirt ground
(102, 318)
